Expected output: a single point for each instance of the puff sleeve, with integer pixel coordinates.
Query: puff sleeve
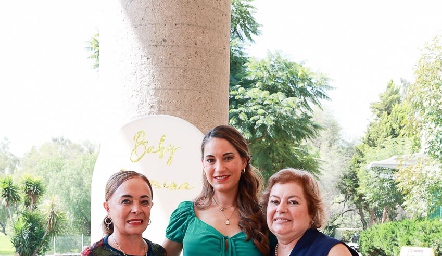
(179, 220)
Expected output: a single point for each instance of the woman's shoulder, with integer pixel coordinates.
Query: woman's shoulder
(336, 247)
(157, 250)
(186, 205)
(179, 220)
(341, 249)
(185, 208)
(98, 248)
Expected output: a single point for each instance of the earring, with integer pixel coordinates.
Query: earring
(150, 221)
(108, 222)
(243, 171)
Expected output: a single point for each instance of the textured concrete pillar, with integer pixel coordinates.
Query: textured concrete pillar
(166, 57)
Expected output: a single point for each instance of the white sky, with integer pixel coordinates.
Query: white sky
(48, 88)
(359, 45)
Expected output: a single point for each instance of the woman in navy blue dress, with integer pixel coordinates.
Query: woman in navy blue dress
(294, 209)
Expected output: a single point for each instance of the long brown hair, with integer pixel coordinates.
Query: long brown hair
(251, 222)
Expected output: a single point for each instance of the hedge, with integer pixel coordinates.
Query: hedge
(387, 239)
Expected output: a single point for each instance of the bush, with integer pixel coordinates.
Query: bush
(388, 238)
(28, 234)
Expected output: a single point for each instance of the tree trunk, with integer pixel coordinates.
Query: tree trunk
(371, 222)
(361, 215)
(384, 214)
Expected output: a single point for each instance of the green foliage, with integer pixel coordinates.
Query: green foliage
(388, 100)
(33, 190)
(29, 230)
(425, 96)
(73, 188)
(55, 219)
(388, 238)
(8, 162)
(242, 23)
(380, 190)
(10, 195)
(243, 27)
(93, 47)
(272, 107)
(375, 191)
(334, 155)
(421, 185)
(349, 184)
(35, 223)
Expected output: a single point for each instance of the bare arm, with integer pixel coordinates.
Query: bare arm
(339, 250)
(172, 248)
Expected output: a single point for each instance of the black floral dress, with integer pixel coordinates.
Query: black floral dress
(102, 248)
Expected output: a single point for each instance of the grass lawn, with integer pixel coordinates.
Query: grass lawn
(6, 248)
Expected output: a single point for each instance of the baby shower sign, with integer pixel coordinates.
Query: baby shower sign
(164, 148)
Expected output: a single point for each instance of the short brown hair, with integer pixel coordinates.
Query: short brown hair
(310, 187)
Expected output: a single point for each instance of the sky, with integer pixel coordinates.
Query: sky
(49, 89)
(359, 45)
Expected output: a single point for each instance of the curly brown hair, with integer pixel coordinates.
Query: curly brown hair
(252, 221)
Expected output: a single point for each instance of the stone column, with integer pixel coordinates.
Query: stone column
(166, 57)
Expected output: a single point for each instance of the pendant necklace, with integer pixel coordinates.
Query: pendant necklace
(221, 209)
(119, 248)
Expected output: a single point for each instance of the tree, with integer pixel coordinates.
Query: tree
(10, 196)
(28, 233)
(76, 164)
(374, 191)
(8, 162)
(334, 154)
(349, 185)
(54, 225)
(243, 28)
(36, 223)
(421, 185)
(425, 96)
(273, 107)
(243, 24)
(93, 46)
(33, 190)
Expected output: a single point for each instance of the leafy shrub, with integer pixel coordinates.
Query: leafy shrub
(388, 238)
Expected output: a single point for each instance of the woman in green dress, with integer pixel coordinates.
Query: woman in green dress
(225, 218)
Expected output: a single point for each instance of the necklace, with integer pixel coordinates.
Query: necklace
(276, 250)
(119, 248)
(221, 209)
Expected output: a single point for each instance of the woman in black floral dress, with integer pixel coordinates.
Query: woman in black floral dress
(128, 202)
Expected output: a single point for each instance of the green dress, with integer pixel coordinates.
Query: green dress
(199, 238)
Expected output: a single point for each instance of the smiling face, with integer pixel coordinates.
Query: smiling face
(222, 165)
(287, 211)
(129, 207)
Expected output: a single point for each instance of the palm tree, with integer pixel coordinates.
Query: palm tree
(9, 194)
(33, 191)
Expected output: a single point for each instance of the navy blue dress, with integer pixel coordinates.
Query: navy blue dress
(314, 243)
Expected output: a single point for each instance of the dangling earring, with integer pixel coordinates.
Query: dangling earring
(108, 222)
